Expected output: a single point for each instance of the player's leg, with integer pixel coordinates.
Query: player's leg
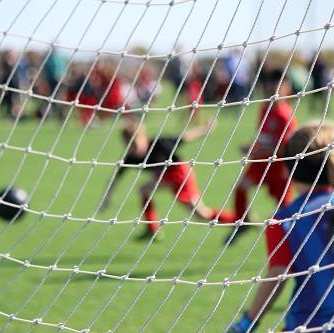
(251, 177)
(150, 213)
(182, 181)
(207, 213)
(277, 181)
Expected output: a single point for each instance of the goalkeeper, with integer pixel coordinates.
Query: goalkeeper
(312, 301)
(179, 178)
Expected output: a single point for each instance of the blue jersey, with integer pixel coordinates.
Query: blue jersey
(314, 252)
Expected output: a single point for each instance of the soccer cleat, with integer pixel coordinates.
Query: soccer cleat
(241, 231)
(147, 235)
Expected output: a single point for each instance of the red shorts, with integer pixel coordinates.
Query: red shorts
(174, 178)
(281, 254)
(276, 178)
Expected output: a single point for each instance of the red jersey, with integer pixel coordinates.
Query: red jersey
(277, 119)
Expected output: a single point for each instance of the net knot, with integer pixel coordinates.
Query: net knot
(256, 279)
(313, 269)
(11, 316)
(281, 277)
(300, 329)
(163, 221)
(213, 223)
(327, 327)
(226, 282)
(113, 221)
(27, 263)
(194, 104)
(61, 326)
(67, 217)
(101, 273)
(124, 277)
(326, 207)
(327, 26)
(300, 156)
(37, 321)
(76, 269)
(330, 146)
(150, 279)
(246, 101)
(201, 283)
(218, 162)
(52, 267)
(244, 161)
(192, 162)
(274, 98)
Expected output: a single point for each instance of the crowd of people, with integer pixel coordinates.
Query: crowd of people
(111, 83)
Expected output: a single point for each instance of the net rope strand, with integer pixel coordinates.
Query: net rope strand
(80, 230)
(131, 232)
(41, 283)
(220, 255)
(27, 151)
(329, 94)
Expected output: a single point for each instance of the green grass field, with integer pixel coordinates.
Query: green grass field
(27, 292)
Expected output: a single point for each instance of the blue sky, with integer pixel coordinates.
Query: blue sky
(106, 15)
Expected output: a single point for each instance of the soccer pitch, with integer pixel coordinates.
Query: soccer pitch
(28, 292)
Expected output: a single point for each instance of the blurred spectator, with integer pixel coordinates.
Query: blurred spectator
(9, 76)
(320, 78)
(175, 71)
(238, 70)
(217, 84)
(298, 74)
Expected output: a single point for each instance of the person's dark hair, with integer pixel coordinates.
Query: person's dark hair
(273, 75)
(308, 167)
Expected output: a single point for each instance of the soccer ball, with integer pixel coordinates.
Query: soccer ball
(12, 195)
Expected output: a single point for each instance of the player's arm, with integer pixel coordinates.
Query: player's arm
(199, 131)
(267, 292)
(265, 296)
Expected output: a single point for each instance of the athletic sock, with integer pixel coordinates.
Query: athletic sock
(150, 215)
(225, 216)
(241, 201)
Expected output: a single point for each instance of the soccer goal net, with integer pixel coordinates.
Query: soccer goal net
(122, 124)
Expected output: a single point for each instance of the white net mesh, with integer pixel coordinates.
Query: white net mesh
(73, 75)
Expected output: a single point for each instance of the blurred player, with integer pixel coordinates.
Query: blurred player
(280, 116)
(308, 240)
(193, 87)
(177, 177)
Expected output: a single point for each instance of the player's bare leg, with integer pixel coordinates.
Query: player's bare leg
(241, 203)
(207, 213)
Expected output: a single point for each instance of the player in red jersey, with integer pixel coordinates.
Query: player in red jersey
(179, 178)
(98, 90)
(278, 121)
(193, 87)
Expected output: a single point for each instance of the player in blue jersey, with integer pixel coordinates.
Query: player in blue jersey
(304, 244)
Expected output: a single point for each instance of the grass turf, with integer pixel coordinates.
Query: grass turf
(80, 300)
